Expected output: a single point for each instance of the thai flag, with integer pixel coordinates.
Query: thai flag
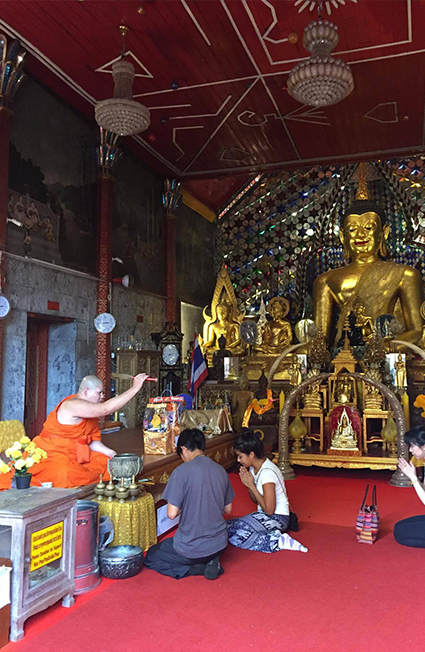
(199, 370)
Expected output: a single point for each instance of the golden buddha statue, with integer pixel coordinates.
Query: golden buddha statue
(365, 322)
(379, 284)
(225, 319)
(277, 333)
(221, 327)
(400, 372)
(344, 392)
(372, 398)
(240, 401)
(344, 437)
(312, 398)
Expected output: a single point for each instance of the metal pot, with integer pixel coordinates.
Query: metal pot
(125, 465)
(120, 562)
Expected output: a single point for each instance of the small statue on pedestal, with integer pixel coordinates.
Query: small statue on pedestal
(400, 372)
(240, 401)
(218, 359)
(312, 398)
(344, 437)
(295, 377)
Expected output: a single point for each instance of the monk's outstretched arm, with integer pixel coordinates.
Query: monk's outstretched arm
(81, 409)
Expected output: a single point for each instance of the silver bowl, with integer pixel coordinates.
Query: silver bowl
(125, 465)
(120, 562)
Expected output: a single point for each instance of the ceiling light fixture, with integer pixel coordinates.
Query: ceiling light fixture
(121, 114)
(320, 80)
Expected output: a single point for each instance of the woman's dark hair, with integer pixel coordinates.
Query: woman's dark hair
(192, 438)
(248, 442)
(416, 436)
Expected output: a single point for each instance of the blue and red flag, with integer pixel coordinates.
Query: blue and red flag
(199, 369)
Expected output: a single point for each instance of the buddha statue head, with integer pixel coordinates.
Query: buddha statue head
(222, 311)
(364, 232)
(278, 308)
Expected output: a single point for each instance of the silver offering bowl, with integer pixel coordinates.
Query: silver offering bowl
(120, 562)
(125, 465)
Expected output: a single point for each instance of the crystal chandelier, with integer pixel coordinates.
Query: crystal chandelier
(320, 80)
(121, 114)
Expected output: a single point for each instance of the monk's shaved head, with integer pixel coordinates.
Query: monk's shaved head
(90, 382)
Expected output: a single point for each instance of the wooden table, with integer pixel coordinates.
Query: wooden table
(160, 467)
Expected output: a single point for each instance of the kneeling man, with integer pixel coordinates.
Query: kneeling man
(200, 492)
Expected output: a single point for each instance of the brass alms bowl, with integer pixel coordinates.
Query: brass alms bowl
(125, 465)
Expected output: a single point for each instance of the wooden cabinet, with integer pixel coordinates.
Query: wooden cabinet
(133, 363)
(37, 532)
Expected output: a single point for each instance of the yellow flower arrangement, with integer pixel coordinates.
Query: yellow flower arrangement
(23, 454)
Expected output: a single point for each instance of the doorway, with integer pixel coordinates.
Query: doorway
(44, 335)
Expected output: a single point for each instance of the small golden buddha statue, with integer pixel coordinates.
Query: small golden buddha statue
(312, 398)
(344, 392)
(224, 320)
(400, 372)
(240, 401)
(372, 398)
(422, 341)
(223, 326)
(362, 320)
(277, 333)
(344, 437)
(379, 284)
(295, 377)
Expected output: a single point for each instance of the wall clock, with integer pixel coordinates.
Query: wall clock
(4, 306)
(104, 323)
(170, 354)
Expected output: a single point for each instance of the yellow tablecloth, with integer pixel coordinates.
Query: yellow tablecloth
(134, 521)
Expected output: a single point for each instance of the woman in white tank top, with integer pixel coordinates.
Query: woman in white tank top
(265, 529)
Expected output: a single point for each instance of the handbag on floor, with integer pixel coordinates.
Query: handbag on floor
(367, 526)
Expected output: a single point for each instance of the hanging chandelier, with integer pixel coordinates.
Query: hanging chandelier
(121, 114)
(321, 80)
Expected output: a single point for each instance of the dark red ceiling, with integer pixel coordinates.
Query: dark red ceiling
(231, 114)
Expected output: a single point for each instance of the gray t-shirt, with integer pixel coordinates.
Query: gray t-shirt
(200, 489)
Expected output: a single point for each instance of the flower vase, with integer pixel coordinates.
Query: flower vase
(22, 481)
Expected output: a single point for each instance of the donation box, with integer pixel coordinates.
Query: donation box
(37, 533)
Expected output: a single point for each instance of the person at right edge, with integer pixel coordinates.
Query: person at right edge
(411, 531)
(199, 491)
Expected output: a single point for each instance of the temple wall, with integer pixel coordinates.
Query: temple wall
(194, 257)
(137, 313)
(51, 245)
(29, 287)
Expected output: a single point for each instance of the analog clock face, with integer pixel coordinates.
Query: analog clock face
(170, 354)
(104, 323)
(4, 306)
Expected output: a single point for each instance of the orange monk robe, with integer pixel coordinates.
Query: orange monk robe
(70, 462)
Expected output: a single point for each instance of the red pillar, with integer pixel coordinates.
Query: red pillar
(5, 121)
(171, 200)
(170, 253)
(108, 155)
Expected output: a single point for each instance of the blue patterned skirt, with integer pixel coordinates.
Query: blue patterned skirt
(257, 531)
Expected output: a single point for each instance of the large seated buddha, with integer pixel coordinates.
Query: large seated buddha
(384, 287)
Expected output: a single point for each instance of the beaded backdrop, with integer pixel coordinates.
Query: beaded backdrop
(280, 235)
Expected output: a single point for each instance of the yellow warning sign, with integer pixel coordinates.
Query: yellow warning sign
(46, 545)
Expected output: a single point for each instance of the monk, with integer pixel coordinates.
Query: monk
(71, 437)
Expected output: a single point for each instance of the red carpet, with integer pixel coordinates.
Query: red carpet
(339, 596)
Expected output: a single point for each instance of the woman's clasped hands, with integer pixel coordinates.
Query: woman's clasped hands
(246, 477)
(407, 468)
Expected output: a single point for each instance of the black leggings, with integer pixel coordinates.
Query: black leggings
(411, 532)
